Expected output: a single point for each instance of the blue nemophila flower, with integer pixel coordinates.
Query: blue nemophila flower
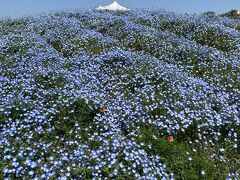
(221, 149)
(174, 74)
(31, 173)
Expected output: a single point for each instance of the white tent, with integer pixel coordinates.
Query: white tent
(113, 7)
(100, 8)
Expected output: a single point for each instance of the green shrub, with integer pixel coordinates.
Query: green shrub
(78, 112)
(51, 80)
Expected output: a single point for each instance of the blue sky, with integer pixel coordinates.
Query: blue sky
(16, 8)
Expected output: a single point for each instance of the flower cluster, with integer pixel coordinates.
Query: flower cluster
(107, 95)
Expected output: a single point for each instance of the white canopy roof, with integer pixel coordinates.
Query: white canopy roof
(113, 7)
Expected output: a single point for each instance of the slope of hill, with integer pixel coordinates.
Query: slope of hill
(235, 14)
(120, 95)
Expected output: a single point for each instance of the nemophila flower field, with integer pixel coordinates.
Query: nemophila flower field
(120, 95)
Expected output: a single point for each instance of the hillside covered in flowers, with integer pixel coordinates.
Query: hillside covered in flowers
(120, 95)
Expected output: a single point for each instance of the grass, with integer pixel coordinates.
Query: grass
(176, 154)
(68, 116)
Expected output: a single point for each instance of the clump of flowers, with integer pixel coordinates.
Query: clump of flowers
(157, 73)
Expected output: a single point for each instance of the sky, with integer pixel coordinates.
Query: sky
(19, 8)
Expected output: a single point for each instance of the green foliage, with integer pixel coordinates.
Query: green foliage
(176, 154)
(51, 80)
(3, 58)
(144, 22)
(16, 111)
(42, 32)
(210, 38)
(102, 30)
(113, 62)
(209, 13)
(232, 14)
(83, 172)
(136, 46)
(119, 13)
(13, 50)
(238, 28)
(78, 112)
(7, 25)
(58, 45)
